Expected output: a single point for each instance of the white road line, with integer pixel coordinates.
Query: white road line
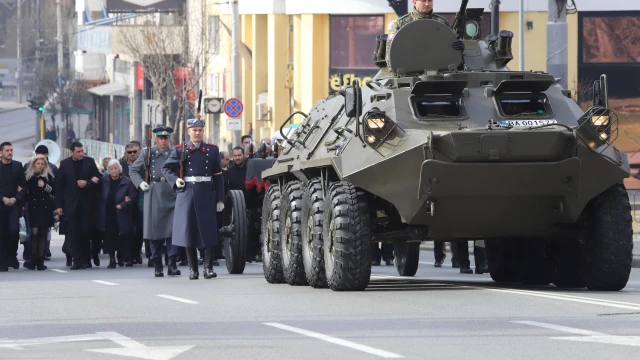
(104, 282)
(560, 328)
(591, 301)
(584, 298)
(349, 344)
(186, 301)
(58, 271)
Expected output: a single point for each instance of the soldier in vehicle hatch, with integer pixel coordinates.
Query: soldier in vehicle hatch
(422, 9)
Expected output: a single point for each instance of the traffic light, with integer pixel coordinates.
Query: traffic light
(36, 104)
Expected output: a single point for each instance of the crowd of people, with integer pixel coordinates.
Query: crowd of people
(129, 203)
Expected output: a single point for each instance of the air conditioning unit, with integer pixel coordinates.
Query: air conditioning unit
(262, 111)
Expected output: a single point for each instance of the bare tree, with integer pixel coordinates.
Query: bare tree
(171, 62)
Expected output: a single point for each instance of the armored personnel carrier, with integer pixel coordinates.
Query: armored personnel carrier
(450, 145)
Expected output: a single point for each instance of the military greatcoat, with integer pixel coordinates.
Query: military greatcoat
(194, 222)
(160, 200)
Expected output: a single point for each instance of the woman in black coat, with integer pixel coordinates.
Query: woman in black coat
(40, 184)
(115, 214)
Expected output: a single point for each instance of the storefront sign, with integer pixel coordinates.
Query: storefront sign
(348, 76)
(140, 77)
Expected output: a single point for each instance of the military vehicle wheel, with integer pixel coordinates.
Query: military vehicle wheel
(234, 231)
(312, 243)
(536, 268)
(608, 251)
(271, 256)
(501, 258)
(407, 256)
(347, 238)
(291, 234)
(568, 264)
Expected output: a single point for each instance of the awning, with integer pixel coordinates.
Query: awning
(111, 89)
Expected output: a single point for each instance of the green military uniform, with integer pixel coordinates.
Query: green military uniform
(412, 16)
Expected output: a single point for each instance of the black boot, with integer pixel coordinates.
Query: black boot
(465, 269)
(69, 260)
(112, 262)
(41, 263)
(480, 255)
(209, 273)
(96, 260)
(208, 263)
(159, 269)
(30, 263)
(193, 274)
(173, 269)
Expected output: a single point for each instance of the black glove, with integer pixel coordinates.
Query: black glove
(458, 44)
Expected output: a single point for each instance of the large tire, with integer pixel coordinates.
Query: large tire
(312, 240)
(271, 256)
(536, 266)
(291, 234)
(234, 219)
(501, 258)
(568, 263)
(347, 238)
(608, 252)
(407, 257)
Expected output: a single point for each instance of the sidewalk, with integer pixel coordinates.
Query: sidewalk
(428, 246)
(10, 105)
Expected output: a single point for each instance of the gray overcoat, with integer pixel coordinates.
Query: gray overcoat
(160, 200)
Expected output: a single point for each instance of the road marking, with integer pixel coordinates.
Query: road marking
(590, 336)
(58, 271)
(560, 328)
(591, 301)
(349, 344)
(186, 301)
(19, 344)
(132, 348)
(104, 282)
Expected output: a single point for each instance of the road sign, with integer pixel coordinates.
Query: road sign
(61, 81)
(234, 124)
(233, 108)
(214, 105)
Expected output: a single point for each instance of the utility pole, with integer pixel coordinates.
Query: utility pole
(495, 17)
(521, 35)
(557, 41)
(235, 62)
(60, 39)
(36, 70)
(19, 48)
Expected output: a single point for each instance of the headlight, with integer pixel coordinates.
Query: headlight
(371, 139)
(603, 136)
(600, 120)
(375, 124)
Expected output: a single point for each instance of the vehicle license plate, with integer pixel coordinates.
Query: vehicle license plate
(527, 122)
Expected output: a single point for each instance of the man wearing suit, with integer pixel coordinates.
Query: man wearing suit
(78, 177)
(13, 187)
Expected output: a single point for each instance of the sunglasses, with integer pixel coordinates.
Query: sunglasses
(132, 152)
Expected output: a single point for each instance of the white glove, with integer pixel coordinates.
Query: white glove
(144, 186)
(219, 206)
(180, 183)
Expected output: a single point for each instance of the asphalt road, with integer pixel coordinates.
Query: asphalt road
(123, 313)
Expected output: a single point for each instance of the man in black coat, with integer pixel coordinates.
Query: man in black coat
(133, 150)
(77, 179)
(13, 187)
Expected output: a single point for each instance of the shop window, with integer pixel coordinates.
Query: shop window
(353, 39)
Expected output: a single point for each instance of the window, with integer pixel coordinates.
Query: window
(353, 39)
(524, 105)
(438, 108)
(214, 35)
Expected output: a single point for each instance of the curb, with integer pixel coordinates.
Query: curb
(635, 263)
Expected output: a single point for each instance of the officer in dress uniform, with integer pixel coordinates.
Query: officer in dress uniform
(200, 195)
(159, 201)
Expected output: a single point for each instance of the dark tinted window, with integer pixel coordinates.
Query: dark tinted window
(532, 106)
(353, 39)
(437, 108)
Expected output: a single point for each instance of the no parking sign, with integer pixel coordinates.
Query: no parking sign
(233, 108)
